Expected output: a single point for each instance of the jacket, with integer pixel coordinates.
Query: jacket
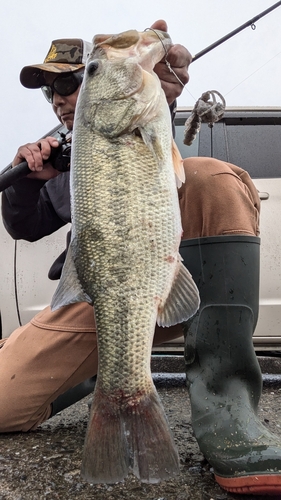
(32, 209)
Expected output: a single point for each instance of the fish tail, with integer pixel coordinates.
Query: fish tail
(133, 436)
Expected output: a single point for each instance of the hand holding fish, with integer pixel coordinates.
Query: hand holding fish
(179, 59)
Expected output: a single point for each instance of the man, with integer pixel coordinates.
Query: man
(51, 362)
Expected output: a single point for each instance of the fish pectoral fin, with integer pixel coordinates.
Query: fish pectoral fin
(178, 165)
(182, 302)
(69, 290)
(151, 140)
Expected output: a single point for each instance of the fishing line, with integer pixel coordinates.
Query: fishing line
(166, 53)
(247, 77)
(250, 22)
(253, 73)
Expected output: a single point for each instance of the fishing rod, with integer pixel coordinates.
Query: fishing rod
(207, 109)
(251, 23)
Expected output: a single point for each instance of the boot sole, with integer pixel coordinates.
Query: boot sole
(257, 484)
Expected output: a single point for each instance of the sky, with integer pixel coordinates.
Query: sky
(246, 69)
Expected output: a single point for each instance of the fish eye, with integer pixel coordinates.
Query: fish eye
(92, 67)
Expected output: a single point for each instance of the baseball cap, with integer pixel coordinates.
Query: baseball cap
(65, 55)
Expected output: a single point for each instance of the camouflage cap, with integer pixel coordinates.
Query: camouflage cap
(65, 55)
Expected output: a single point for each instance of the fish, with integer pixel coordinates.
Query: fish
(124, 252)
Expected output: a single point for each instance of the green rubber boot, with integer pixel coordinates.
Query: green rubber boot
(223, 374)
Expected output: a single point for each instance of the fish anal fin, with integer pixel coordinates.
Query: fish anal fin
(123, 438)
(69, 290)
(178, 165)
(183, 300)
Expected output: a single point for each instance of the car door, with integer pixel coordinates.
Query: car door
(251, 139)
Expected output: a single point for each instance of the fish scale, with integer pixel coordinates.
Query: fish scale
(123, 255)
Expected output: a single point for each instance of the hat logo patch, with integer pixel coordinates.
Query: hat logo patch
(52, 54)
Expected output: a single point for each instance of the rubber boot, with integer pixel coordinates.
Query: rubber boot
(223, 375)
(73, 395)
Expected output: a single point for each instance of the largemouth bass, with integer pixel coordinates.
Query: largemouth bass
(123, 256)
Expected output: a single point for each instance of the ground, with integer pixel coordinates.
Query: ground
(45, 464)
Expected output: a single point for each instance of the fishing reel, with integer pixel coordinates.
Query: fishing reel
(60, 157)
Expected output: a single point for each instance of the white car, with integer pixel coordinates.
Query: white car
(249, 138)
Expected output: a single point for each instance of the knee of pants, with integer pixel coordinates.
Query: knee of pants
(40, 361)
(215, 201)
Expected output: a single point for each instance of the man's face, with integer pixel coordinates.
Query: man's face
(63, 106)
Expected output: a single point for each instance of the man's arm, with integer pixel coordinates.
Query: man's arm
(27, 210)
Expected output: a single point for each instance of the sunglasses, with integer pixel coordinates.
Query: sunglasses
(63, 85)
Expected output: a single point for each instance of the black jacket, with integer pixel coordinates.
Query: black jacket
(32, 209)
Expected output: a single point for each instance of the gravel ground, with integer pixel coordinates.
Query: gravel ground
(45, 464)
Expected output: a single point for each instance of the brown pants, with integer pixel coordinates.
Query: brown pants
(58, 350)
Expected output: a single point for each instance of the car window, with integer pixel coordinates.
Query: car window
(256, 148)
(250, 140)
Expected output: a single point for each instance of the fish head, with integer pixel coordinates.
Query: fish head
(145, 48)
(119, 75)
(123, 57)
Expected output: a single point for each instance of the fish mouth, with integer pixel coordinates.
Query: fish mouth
(120, 41)
(129, 38)
(146, 48)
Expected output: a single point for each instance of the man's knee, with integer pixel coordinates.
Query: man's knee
(217, 198)
(204, 169)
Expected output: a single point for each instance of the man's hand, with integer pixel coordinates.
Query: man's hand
(179, 59)
(35, 154)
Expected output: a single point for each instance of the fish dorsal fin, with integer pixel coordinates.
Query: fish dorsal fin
(69, 290)
(183, 300)
(178, 165)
